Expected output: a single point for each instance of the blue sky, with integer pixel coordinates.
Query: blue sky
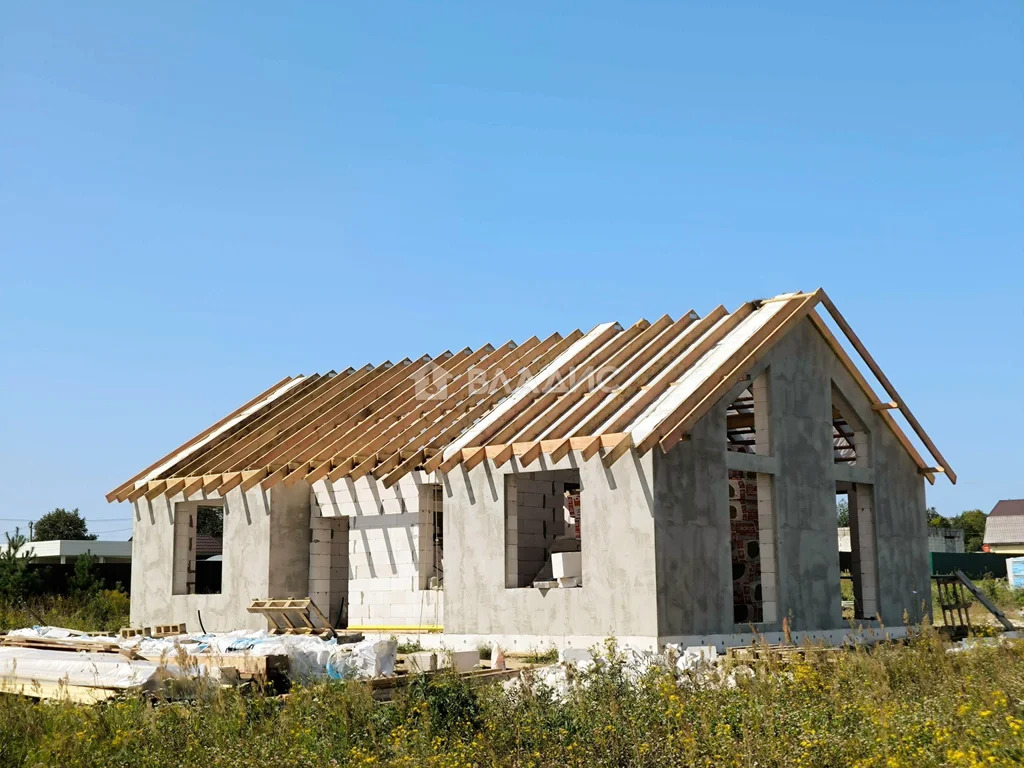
(198, 199)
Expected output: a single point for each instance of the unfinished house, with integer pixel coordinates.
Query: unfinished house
(670, 481)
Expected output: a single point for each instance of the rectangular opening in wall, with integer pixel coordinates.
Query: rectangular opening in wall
(855, 522)
(198, 549)
(849, 435)
(746, 419)
(752, 542)
(431, 537)
(209, 549)
(543, 530)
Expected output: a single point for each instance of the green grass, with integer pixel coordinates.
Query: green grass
(106, 610)
(897, 705)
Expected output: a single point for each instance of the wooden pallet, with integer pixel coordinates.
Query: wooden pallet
(286, 615)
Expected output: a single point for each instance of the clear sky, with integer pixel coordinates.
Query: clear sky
(197, 199)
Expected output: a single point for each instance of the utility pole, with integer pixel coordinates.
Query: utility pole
(30, 526)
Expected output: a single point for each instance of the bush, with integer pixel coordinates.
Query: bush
(103, 610)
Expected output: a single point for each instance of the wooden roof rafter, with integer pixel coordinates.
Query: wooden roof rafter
(640, 386)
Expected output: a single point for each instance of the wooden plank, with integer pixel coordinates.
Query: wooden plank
(274, 478)
(862, 382)
(620, 449)
(365, 403)
(884, 406)
(232, 480)
(339, 407)
(887, 385)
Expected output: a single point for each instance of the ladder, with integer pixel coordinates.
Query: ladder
(981, 598)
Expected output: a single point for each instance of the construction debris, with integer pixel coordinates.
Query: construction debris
(53, 662)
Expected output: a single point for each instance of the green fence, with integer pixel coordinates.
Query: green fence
(975, 565)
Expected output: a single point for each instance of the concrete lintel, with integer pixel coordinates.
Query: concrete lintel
(752, 462)
(853, 474)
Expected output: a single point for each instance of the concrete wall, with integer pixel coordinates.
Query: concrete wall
(384, 544)
(265, 555)
(618, 592)
(691, 511)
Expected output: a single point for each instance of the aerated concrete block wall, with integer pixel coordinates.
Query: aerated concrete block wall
(384, 544)
(691, 517)
(266, 554)
(618, 593)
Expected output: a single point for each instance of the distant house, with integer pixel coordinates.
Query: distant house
(64, 551)
(1004, 529)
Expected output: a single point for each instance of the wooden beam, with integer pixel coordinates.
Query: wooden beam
(138, 493)
(930, 470)
(472, 456)
(192, 484)
(274, 478)
(252, 478)
(232, 480)
(530, 455)
(173, 486)
(212, 482)
(388, 464)
(884, 406)
(501, 455)
(620, 449)
(887, 385)
(455, 427)
(865, 387)
(648, 365)
(155, 488)
(404, 468)
(560, 451)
